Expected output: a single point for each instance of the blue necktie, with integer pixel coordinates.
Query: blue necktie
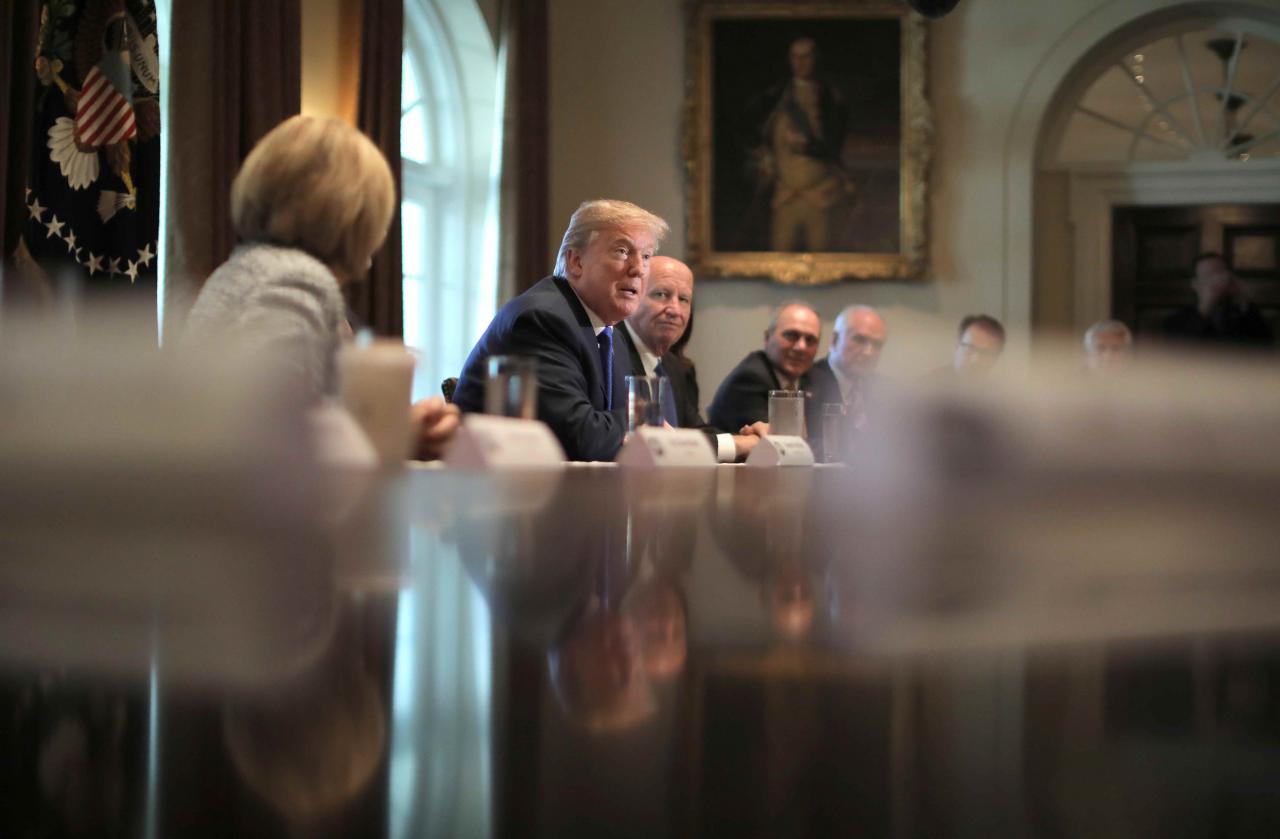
(669, 398)
(605, 340)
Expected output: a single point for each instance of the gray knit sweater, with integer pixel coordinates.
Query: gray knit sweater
(279, 302)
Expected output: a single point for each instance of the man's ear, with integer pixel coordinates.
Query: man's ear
(573, 263)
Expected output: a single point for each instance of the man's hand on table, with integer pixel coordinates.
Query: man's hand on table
(435, 422)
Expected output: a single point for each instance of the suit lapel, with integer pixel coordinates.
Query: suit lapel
(589, 345)
(773, 374)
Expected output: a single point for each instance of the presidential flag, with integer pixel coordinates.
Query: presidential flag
(93, 191)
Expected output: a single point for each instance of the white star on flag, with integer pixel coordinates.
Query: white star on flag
(71, 242)
(145, 255)
(94, 264)
(54, 227)
(132, 271)
(37, 211)
(114, 265)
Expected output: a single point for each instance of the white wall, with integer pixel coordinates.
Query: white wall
(617, 88)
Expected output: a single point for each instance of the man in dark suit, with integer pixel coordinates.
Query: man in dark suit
(847, 375)
(1223, 315)
(658, 322)
(785, 363)
(566, 323)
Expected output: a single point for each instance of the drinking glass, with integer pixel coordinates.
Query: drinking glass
(786, 413)
(375, 384)
(644, 401)
(511, 389)
(835, 431)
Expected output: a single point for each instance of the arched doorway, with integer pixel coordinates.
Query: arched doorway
(1177, 107)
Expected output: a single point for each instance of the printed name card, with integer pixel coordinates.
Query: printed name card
(651, 447)
(778, 450)
(485, 442)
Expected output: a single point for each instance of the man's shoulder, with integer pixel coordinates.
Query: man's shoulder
(755, 365)
(545, 300)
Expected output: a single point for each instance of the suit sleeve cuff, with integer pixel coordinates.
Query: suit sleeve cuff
(726, 451)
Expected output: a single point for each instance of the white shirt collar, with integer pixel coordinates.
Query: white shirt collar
(597, 322)
(647, 356)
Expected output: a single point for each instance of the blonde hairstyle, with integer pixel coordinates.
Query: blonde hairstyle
(604, 214)
(318, 185)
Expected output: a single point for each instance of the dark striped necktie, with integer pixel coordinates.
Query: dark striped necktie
(668, 398)
(605, 340)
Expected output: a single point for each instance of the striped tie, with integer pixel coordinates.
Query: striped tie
(668, 398)
(605, 340)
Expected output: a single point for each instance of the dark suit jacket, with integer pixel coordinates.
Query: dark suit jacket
(743, 397)
(1228, 325)
(684, 383)
(548, 323)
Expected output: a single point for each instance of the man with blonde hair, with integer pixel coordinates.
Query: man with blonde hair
(565, 323)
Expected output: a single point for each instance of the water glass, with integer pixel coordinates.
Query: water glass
(786, 413)
(511, 389)
(835, 431)
(644, 401)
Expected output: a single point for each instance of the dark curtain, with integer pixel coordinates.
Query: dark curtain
(523, 60)
(19, 25)
(378, 302)
(235, 73)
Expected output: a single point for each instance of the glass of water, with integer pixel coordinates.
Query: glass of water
(786, 413)
(835, 431)
(511, 389)
(644, 401)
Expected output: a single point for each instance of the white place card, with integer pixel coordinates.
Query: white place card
(652, 447)
(777, 450)
(487, 442)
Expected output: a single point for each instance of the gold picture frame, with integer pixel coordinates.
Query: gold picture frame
(763, 183)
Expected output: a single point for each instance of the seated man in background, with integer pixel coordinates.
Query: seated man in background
(790, 344)
(849, 369)
(565, 322)
(978, 346)
(1108, 345)
(1222, 314)
(649, 334)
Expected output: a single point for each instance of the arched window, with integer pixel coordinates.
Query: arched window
(1204, 94)
(448, 210)
(439, 775)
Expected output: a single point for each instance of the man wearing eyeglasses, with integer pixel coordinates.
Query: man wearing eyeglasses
(979, 343)
(978, 347)
(786, 363)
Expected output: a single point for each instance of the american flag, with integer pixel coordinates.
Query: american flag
(103, 115)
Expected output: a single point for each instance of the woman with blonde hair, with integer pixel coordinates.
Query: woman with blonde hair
(311, 205)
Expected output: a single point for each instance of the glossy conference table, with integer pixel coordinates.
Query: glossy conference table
(732, 652)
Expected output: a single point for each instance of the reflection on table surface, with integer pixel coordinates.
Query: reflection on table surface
(728, 652)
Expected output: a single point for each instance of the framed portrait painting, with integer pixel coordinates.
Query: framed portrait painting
(807, 140)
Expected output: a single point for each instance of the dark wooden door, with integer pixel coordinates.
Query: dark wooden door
(1153, 247)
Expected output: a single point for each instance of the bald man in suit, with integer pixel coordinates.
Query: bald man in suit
(658, 322)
